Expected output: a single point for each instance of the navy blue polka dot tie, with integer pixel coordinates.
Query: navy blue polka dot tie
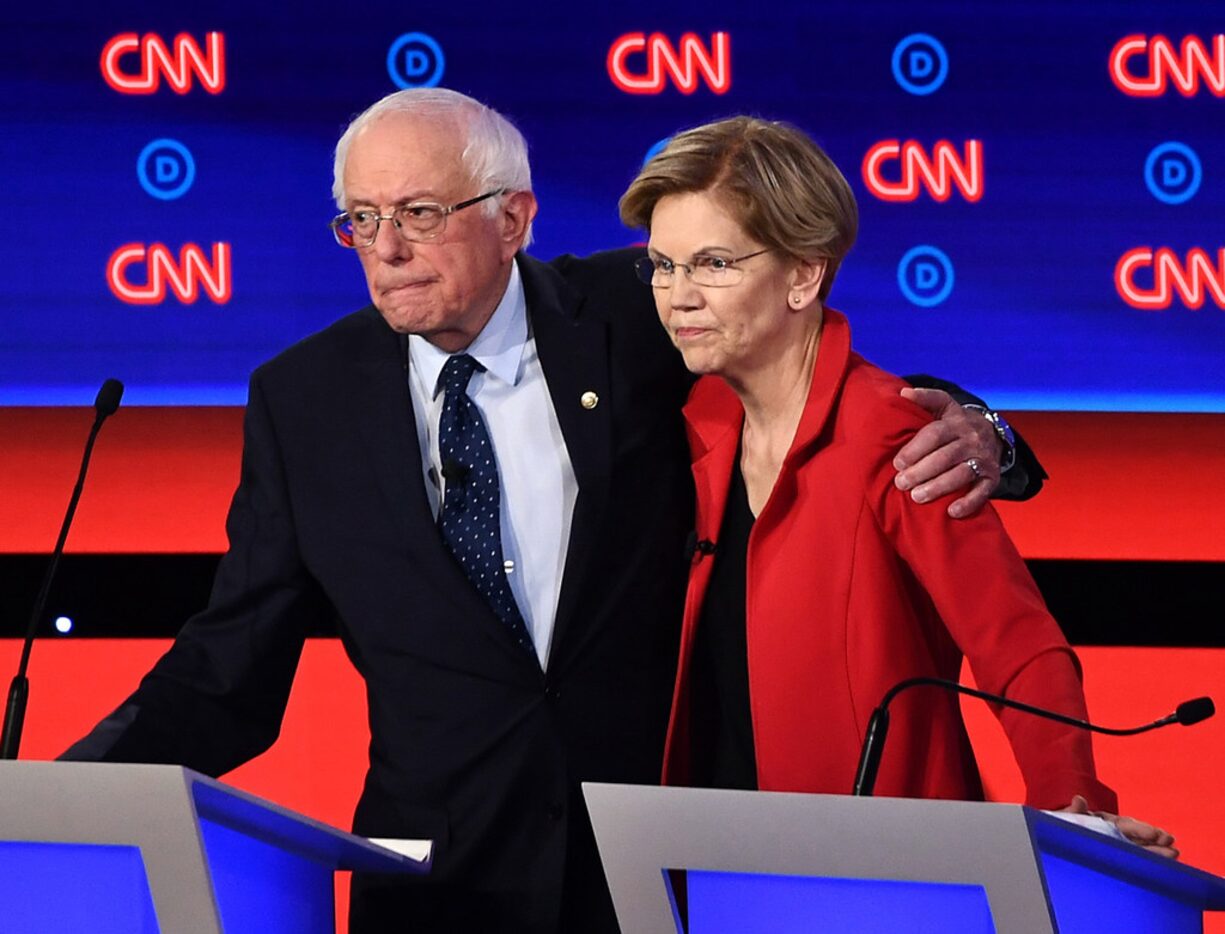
(470, 519)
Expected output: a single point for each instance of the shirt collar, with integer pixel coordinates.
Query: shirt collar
(498, 348)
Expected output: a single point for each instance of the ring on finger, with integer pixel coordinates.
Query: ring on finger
(975, 467)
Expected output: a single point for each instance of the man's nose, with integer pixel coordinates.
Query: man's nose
(389, 246)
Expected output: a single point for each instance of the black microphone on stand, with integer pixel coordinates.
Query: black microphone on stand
(105, 404)
(1187, 713)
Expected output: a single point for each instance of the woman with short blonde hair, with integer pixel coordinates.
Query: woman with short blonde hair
(820, 584)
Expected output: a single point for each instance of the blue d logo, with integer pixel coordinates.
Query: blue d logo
(165, 169)
(1173, 173)
(415, 60)
(920, 63)
(925, 276)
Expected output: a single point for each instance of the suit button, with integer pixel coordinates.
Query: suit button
(555, 811)
(552, 694)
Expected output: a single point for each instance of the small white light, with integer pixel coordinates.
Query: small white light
(63, 624)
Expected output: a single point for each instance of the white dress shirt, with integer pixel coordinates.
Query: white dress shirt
(538, 487)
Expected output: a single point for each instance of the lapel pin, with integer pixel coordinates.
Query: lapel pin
(589, 400)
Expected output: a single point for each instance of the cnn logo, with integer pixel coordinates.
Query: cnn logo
(1192, 279)
(1196, 62)
(133, 64)
(186, 276)
(939, 173)
(656, 61)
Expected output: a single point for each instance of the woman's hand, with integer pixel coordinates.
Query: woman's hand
(1153, 839)
(935, 461)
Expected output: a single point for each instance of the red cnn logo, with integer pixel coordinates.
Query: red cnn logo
(713, 65)
(1191, 279)
(184, 275)
(1192, 63)
(939, 172)
(154, 60)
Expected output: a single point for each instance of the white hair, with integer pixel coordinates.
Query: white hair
(494, 153)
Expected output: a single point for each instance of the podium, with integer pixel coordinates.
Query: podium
(102, 847)
(754, 862)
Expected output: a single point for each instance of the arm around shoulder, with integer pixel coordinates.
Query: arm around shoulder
(932, 463)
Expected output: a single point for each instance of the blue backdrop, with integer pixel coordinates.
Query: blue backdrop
(1035, 274)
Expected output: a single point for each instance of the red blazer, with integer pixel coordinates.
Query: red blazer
(853, 587)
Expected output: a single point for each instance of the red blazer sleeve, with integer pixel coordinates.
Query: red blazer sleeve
(981, 589)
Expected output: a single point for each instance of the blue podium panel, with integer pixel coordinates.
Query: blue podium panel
(1087, 901)
(769, 861)
(1100, 884)
(67, 888)
(117, 847)
(754, 903)
(251, 876)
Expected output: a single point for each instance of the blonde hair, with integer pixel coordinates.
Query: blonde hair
(779, 185)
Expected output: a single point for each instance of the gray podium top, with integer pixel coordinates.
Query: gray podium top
(159, 808)
(643, 830)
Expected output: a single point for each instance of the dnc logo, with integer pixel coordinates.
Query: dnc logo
(415, 60)
(925, 276)
(1173, 172)
(920, 64)
(165, 169)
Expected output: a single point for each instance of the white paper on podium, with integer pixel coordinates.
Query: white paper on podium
(417, 850)
(1090, 822)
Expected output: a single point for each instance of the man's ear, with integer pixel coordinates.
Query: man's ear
(516, 212)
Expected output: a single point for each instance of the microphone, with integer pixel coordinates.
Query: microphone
(1187, 713)
(698, 548)
(455, 472)
(105, 405)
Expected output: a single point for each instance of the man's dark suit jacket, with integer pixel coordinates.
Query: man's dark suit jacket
(471, 744)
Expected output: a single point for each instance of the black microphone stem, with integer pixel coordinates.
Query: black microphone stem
(874, 739)
(45, 590)
(19, 690)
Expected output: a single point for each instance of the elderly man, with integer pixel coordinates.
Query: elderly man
(482, 479)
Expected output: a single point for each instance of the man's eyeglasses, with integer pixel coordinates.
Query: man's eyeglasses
(417, 221)
(705, 269)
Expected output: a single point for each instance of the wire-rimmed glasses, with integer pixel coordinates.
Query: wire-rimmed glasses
(417, 221)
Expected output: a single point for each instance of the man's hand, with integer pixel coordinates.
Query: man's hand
(1153, 839)
(937, 459)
